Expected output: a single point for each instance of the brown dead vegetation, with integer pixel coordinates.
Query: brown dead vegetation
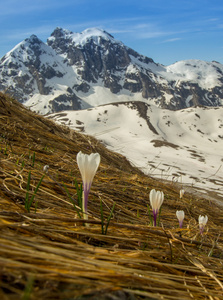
(50, 253)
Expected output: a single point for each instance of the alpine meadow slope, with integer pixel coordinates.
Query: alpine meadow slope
(49, 253)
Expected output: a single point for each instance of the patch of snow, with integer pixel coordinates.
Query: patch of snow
(189, 98)
(187, 145)
(197, 71)
(167, 97)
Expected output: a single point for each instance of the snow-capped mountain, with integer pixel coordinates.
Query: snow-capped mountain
(184, 145)
(33, 70)
(91, 68)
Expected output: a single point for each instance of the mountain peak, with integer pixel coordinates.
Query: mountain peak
(33, 39)
(80, 38)
(60, 32)
(94, 31)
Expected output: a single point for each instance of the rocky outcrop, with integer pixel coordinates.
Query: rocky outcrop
(65, 102)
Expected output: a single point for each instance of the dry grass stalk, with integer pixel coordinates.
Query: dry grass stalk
(52, 255)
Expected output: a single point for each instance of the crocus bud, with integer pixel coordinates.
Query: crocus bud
(180, 216)
(45, 169)
(182, 193)
(156, 200)
(202, 222)
(88, 165)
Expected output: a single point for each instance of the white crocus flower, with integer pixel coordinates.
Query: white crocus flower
(202, 222)
(88, 165)
(45, 169)
(182, 191)
(156, 200)
(180, 216)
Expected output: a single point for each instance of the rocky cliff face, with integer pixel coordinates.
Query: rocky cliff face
(80, 70)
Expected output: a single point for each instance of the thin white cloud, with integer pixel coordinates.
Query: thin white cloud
(21, 34)
(137, 27)
(15, 7)
(172, 40)
(149, 34)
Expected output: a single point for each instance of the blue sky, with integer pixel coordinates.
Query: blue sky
(165, 30)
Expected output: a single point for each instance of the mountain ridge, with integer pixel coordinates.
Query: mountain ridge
(82, 70)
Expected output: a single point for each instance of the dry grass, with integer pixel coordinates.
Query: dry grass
(49, 253)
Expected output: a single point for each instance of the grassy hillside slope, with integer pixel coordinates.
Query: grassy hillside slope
(50, 253)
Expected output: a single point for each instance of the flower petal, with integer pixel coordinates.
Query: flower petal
(88, 165)
(156, 199)
(180, 215)
(152, 198)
